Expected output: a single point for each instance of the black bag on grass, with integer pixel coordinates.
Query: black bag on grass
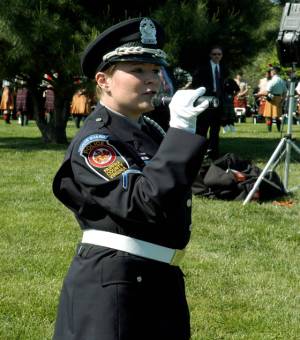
(232, 178)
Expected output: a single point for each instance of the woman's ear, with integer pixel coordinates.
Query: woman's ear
(101, 79)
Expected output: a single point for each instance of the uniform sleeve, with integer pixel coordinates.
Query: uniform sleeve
(144, 195)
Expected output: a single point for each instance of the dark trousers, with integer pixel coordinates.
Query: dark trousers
(112, 295)
(209, 122)
(78, 119)
(24, 118)
(6, 116)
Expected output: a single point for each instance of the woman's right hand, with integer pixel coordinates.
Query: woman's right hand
(182, 110)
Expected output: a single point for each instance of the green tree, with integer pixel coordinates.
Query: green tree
(44, 37)
(247, 30)
(243, 28)
(267, 54)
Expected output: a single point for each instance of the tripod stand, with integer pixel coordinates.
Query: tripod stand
(283, 148)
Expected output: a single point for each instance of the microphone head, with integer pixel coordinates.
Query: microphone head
(161, 100)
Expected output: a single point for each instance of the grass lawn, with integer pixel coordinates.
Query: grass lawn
(242, 266)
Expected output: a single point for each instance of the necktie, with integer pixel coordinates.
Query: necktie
(217, 79)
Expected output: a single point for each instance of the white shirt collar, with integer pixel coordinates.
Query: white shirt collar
(213, 65)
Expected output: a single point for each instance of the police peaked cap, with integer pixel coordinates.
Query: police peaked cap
(139, 39)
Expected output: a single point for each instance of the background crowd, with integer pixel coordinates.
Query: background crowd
(237, 98)
(17, 102)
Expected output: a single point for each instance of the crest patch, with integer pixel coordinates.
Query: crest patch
(102, 157)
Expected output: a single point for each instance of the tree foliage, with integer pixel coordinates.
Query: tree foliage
(47, 37)
(243, 28)
(44, 37)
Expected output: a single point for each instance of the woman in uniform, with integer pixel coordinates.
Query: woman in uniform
(129, 186)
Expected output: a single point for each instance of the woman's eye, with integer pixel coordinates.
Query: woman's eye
(140, 70)
(137, 70)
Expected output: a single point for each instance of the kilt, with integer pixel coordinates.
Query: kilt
(262, 103)
(21, 99)
(112, 295)
(49, 100)
(7, 100)
(240, 102)
(273, 109)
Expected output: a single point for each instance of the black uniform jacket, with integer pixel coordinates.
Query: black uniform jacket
(130, 179)
(203, 76)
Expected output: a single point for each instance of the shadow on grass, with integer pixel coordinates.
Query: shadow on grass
(29, 144)
(255, 149)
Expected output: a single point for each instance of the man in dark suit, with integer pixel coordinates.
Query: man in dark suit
(211, 75)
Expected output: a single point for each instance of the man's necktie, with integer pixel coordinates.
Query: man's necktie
(217, 79)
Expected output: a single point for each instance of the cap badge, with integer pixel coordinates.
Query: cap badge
(148, 32)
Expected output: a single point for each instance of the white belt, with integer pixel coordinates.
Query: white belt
(133, 246)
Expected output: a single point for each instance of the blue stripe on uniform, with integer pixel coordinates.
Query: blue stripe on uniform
(125, 177)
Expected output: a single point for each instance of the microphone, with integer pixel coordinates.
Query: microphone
(159, 101)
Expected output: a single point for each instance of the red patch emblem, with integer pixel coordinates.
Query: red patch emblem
(102, 156)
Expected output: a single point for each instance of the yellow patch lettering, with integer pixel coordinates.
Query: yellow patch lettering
(115, 169)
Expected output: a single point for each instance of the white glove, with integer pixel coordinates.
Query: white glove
(183, 113)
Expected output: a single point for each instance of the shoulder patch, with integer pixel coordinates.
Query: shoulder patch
(102, 157)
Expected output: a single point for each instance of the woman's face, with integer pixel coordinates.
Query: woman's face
(130, 88)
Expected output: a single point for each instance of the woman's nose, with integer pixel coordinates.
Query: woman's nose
(151, 78)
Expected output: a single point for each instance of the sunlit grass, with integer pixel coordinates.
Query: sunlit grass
(242, 265)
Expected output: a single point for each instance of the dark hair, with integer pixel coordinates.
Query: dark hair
(214, 47)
